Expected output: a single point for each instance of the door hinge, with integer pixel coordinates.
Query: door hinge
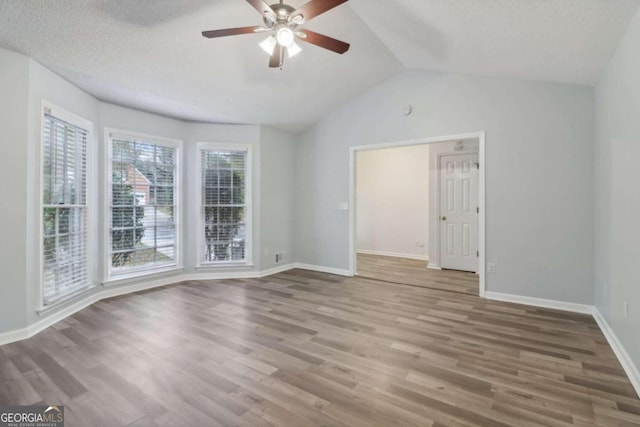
(478, 209)
(478, 254)
(478, 165)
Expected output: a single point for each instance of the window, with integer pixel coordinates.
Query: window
(65, 253)
(224, 204)
(142, 204)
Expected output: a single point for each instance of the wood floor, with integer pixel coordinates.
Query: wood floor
(310, 349)
(415, 273)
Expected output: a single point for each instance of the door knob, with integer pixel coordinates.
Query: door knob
(444, 218)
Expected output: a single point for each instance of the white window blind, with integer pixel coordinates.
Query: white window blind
(224, 210)
(64, 202)
(142, 209)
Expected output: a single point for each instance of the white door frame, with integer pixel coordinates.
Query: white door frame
(480, 136)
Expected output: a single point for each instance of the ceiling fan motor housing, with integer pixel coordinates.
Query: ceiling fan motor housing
(282, 14)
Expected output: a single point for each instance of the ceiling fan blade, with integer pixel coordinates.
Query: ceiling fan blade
(262, 7)
(316, 7)
(326, 42)
(232, 32)
(276, 57)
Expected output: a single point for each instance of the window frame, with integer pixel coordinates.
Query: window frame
(111, 276)
(248, 261)
(48, 108)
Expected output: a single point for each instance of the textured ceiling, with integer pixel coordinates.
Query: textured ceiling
(568, 41)
(149, 54)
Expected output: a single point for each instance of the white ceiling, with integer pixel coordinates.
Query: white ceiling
(149, 54)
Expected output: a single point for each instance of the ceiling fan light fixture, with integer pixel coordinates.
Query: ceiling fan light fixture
(284, 35)
(269, 45)
(293, 49)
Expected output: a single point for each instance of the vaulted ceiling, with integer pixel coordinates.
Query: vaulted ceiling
(149, 54)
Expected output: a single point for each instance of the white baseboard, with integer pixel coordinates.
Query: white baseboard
(540, 302)
(63, 313)
(13, 336)
(433, 267)
(394, 254)
(49, 320)
(278, 269)
(321, 269)
(623, 357)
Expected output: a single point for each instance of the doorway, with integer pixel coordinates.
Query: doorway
(461, 234)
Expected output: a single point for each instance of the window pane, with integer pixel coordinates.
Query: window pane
(211, 195)
(122, 240)
(166, 253)
(238, 160)
(225, 196)
(164, 196)
(238, 187)
(63, 221)
(225, 178)
(49, 221)
(122, 217)
(164, 175)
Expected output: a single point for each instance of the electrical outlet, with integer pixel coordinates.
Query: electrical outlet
(279, 257)
(491, 267)
(626, 309)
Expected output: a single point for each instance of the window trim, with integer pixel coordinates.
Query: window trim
(248, 262)
(60, 113)
(108, 273)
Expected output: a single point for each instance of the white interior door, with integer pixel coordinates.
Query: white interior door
(459, 212)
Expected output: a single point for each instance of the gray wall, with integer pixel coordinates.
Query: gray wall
(539, 173)
(617, 192)
(276, 196)
(14, 88)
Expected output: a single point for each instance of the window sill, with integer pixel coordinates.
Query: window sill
(126, 278)
(66, 300)
(226, 265)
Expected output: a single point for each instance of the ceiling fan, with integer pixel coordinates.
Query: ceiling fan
(282, 22)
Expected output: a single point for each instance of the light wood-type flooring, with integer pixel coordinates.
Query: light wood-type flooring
(302, 348)
(415, 273)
